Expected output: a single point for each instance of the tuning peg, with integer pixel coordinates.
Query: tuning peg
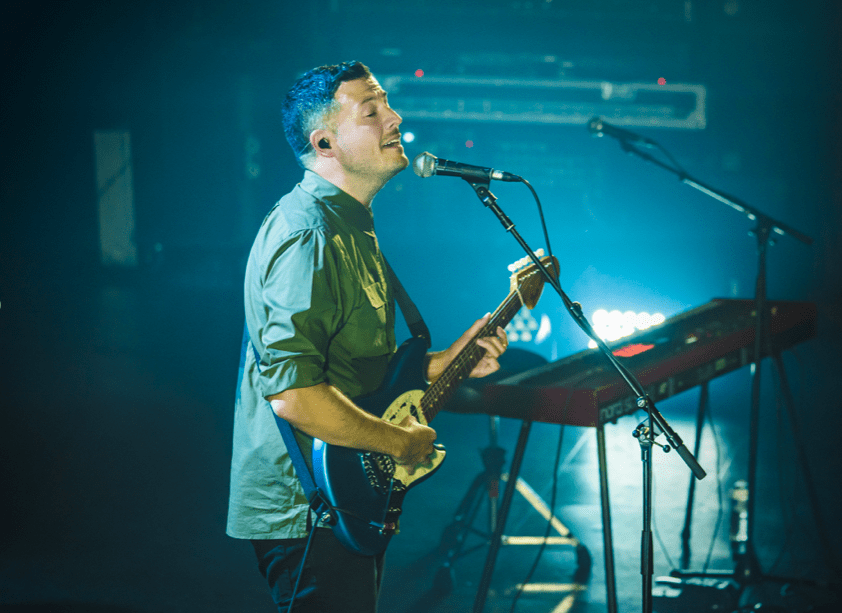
(517, 265)
(525, 260)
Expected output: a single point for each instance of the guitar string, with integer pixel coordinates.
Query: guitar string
(440, 391)
(465, 361)
(472, 353)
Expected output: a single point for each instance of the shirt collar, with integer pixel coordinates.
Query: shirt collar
(351, 210)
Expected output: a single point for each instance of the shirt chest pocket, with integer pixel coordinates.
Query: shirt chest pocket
(366, 332)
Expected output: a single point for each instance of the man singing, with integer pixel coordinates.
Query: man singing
(320, 313)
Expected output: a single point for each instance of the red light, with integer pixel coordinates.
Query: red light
(662, 81)
(469, 143)
(419, 73)
(632, 350)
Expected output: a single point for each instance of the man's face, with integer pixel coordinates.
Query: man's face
(368, 141)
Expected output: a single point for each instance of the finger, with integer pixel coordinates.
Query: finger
(490, 366)
(470, 333)
(420, 459)
(493, 346)
(486, 366)
(501, 339)
(477, 325)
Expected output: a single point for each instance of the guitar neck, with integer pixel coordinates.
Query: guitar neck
(458, 370)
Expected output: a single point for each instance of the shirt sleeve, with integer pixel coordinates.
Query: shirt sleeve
(302, 299)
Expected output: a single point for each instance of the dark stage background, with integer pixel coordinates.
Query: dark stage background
(118, 381)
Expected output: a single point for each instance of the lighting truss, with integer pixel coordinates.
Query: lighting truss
(547, 101)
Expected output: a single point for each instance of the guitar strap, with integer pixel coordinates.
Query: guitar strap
(416, 324)
(318, 502)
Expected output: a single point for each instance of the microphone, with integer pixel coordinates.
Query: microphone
(598, 127)
(426, 165)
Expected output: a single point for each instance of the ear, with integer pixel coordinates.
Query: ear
(321, 141)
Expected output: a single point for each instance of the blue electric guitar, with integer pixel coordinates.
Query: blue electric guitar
(366, 489)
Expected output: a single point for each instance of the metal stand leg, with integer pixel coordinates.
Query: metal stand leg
(688, 517)
(497, 517)
(805, 469)
(747, 570)
(607, 540)
(496, 539)
(454, 537)
(645, 438)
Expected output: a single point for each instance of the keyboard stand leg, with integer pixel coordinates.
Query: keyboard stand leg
(484, 486)
(496, 539)
(608, 542)
(688, 513)
(801, 453)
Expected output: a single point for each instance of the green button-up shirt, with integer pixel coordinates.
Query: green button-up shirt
(319, 309)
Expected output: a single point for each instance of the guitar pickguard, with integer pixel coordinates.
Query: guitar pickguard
(409, 403)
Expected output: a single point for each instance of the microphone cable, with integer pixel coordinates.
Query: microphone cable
(541, 217)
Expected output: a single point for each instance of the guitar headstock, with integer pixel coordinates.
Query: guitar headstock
(527, 280)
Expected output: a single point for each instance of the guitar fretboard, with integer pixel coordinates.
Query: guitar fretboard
(458, 370)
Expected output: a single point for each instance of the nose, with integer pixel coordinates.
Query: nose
(396, 119)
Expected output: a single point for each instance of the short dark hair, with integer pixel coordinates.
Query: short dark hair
(310, 98)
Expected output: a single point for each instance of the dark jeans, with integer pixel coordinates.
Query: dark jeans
(334, 579)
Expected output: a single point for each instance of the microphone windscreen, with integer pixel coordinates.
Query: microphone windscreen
(424, 165)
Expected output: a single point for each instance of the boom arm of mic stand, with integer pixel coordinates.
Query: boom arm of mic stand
(735, 203)
(575, 310)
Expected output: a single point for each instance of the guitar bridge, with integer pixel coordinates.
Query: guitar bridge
(379, 470)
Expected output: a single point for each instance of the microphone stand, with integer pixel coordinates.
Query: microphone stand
(646, 435)
(747, 568)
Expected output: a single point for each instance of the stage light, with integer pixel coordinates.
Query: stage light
(419, 73)
(614, 325)
(544, 330)
(523, 327)
(408, 137)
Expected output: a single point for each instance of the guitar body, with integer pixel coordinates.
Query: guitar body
(367, 489)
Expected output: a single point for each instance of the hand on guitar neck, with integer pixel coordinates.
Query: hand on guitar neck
(494, 347)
